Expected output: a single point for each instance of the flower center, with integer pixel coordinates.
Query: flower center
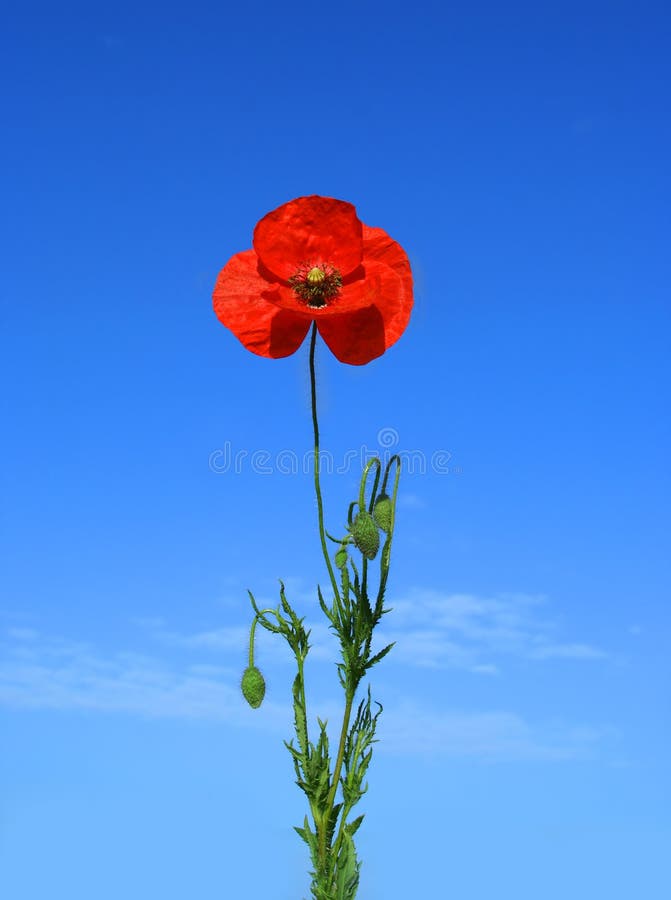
(316, 284)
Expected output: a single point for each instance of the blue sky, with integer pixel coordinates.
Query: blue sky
(519, 153)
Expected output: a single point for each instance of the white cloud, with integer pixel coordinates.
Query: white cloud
(411, 501)
(567, 651)
(432, 630)
(43, 672)
(23, 634)
(236, 639)
(466, 631)
(53, 673)
(488, 736)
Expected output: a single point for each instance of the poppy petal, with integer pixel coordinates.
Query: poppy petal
(309, 230)
(242, 302)
(379, 249)
(379, 246)
(382, 302)
(355, 337)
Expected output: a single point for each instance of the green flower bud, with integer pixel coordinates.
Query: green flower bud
(253, 687)
(382, 512)
(366, 537)
(341, 558)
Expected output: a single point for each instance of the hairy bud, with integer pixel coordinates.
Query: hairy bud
(382, 512)
(253, 687)
(365, 534)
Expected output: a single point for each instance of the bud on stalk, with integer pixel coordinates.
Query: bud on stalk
(253, 687)
(365, 534)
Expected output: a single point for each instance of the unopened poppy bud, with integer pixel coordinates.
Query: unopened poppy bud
(382, 512)
(341, 558)
(365, 534)
(253, 687)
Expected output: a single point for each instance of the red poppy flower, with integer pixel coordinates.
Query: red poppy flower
(313, 260)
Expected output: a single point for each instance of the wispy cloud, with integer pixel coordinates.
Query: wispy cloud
(488, 736)
(235, 639)
(567, 651)
(411, 501)
(46, 672)
(449, 630)
(432, 630)
(40, 671)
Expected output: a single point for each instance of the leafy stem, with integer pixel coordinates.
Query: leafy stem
(349, 697)
(335, 874)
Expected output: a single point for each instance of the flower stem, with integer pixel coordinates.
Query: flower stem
(318, 491)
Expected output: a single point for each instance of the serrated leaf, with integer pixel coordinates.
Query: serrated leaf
(310, 839)
(327, 612)
(335, 812)
(301, 833)
(352, 827)
(378, 656)
(347, 879)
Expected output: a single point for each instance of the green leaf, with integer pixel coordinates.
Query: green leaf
(333, 818)
(327, 612)
(352, 827)
(310, 839)
(378, 656)
(347, 879)
(301, 833)
(300, 721)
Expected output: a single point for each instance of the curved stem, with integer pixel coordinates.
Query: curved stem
(318, 491)
(251, 633)
(349, 695)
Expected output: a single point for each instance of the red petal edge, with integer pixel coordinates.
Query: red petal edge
(309, 230)
(260, 325)
(362, 334)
